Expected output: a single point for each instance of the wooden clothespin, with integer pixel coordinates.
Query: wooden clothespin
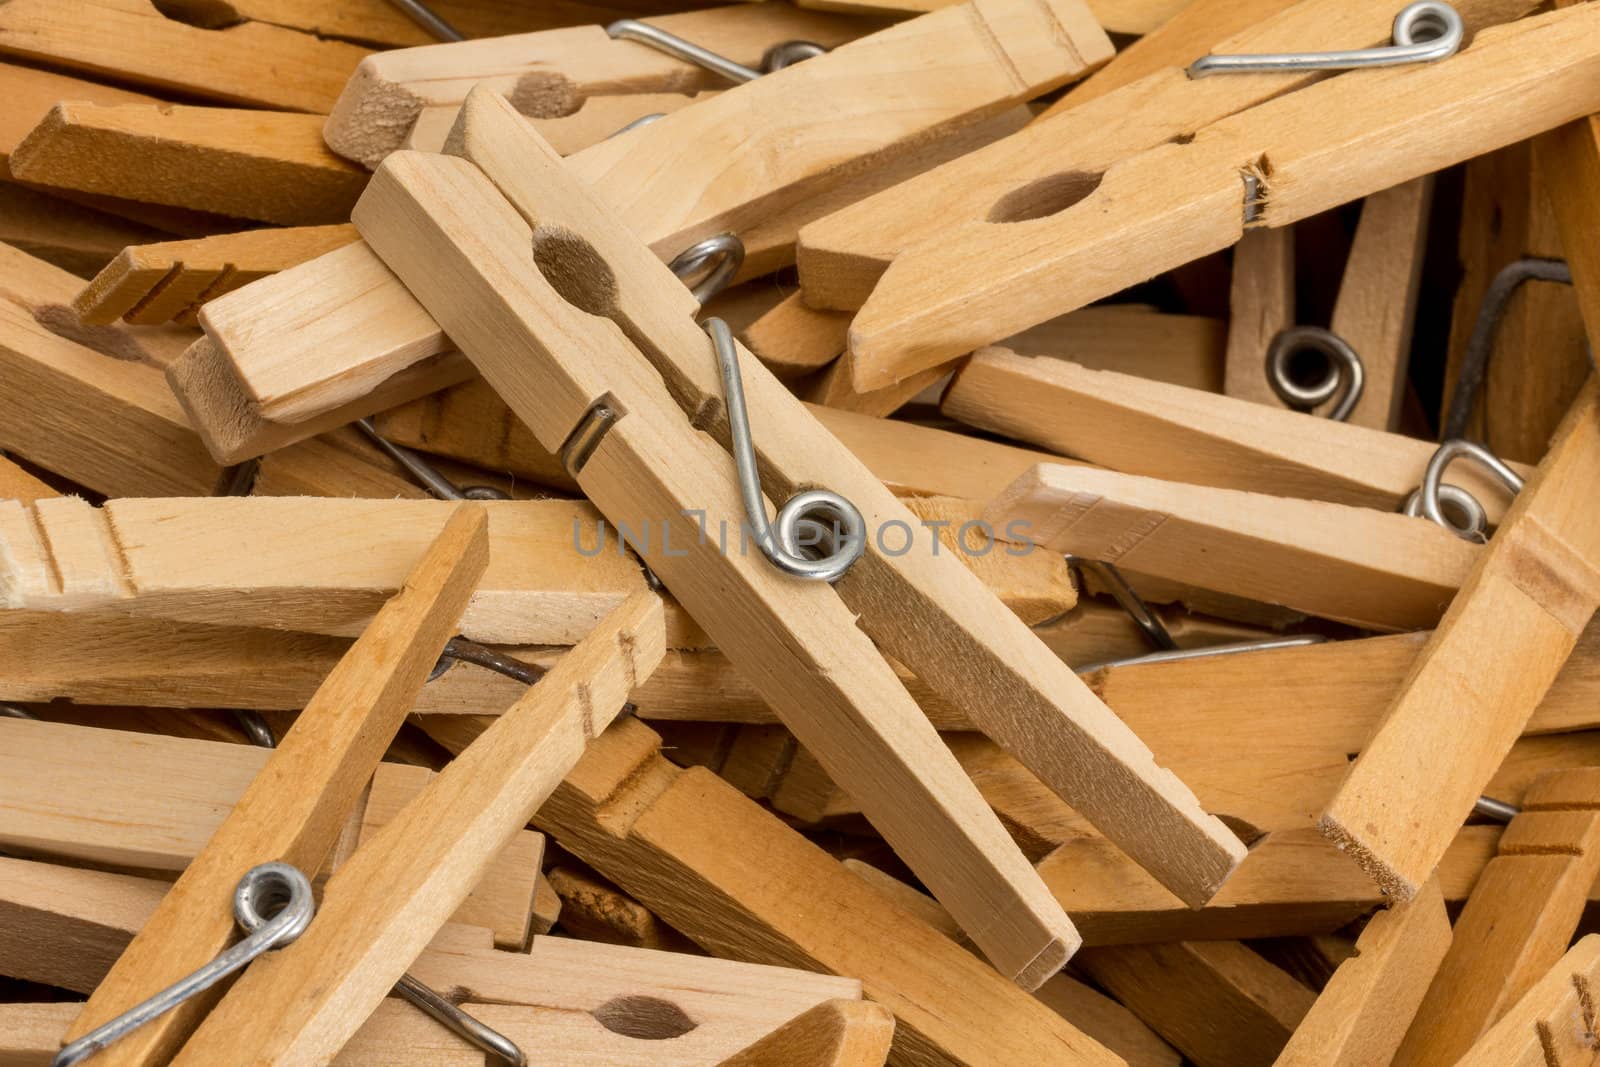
(1519, 919)
(408, 216)
(1385, 126)
(312, 565)
(234, 162)
(757, 160)
(292, 811)
(1370, 331)
(1554, 1024)
(842, 256)
(1492, 659)
(557, 71)
(79, 794)
(256, 63)
(89, 403)
(1361, 1015)
(840, 1033)
(1378, 570)
(671, 847)
(384, 904)
(1150, 428)
(588, 1004)
(598, 118)
(169, 281)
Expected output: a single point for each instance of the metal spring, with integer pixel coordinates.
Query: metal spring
(1344, 371)
(428, 19)
(263, 888)
(817, 534)
(1429, 499)
(426, 473)
(1438, 24)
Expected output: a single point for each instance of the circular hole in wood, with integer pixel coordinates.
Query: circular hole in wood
(646, 1018)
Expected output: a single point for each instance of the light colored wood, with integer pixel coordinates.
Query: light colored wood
(65, 927)
(798, 641)
(255, 63)
(1082, 1005)
(293, 810)
(1217, 1002)
(31, 93)
(323, 566)
(382, 907)
(1377, 304)
(833, 388)
(268, 166)
(171, 280)
(1133, 339)
(595, 910)
(582, 995)
(108, 424)
(920, 607)
(68, 235)
(1373, 569)
(340, 463)
(502, 901)
(1554, 1024)
(18, 484)
(781, 166)
(842, 256)
(553, 72)
(1151, 428)
(667, 837)
(1117, 16)
(1518, 921)
(794, 339)
(1192, 30)
(1361, 1015)
(397, 1034)
(1261, 305)
(1526, 601)
(950, 67)
(46, 293)
(470, 422)
(840, 1033)
(596, 119)
(311, 565)
(1049, 248)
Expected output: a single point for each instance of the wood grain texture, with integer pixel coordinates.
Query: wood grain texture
(30, 95)
(922, 608)
(1520, 918)
(554, 996)
(18, 484)
(170, 281)
(1071, 247)
(842, 256)
(253, 63)
(1568, 162)
(294, 809)
(1529, 597)
(1554, 1024)
(1361, 1016)
(1373, 569)
(1151, 428)
(1217, 1002)
(839, 1033)
(268, 166)
(1261, 305)
(379, 910)
(1117, 16)
(70, 236)
(668, 837)
(552, 73)
(309, 565)
(1538, 360)
(653, 469)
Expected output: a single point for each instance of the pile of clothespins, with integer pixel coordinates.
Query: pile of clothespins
(993, 532)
